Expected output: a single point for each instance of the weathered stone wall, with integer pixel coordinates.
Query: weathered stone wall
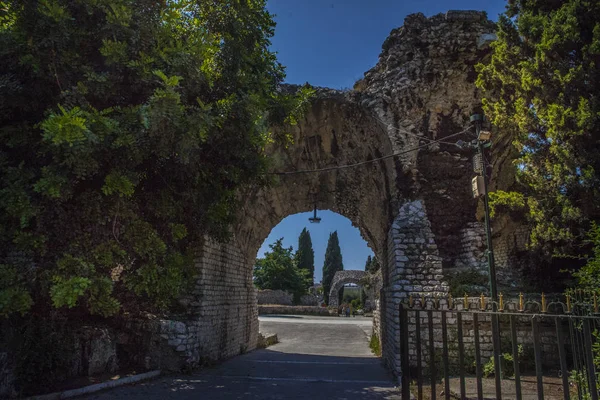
(226, 317)
(303, 310)
(423, 89)
(334, 131)
(222, 314)
(282, 297)
(472, 248)
(415, 268)
(342, 278)
(508, 244)
(311, 299)
(547, 333)
(274, 297)
(88, 350)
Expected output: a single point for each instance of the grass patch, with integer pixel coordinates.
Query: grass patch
(374, 345)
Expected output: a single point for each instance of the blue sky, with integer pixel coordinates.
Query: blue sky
(333, 43)
(354, 248)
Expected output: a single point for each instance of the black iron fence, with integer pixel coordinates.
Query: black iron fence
(471, 349)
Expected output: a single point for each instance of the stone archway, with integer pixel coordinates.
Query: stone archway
(334, 132)
(340, 279)
(414, 209)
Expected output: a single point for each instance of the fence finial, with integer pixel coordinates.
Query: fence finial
(482, 302)
(544, 303)
(450, 301)
(501, 305)
(521, 302)
(411, 301)
(568, 296)
(436, 301)
(423, 305)
(466, 301)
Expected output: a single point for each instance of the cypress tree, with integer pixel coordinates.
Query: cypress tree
(368, 264)
(540, 90)
(305, 255)
(375, 265)
(333, 263)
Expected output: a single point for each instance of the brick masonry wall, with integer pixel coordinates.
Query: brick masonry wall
(222, 314)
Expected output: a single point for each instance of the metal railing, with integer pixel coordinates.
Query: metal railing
(549, 348)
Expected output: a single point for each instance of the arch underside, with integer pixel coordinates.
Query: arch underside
(334, 132)
(342, 278)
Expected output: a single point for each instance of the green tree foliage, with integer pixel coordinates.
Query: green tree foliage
(541, 88)
(126, 129)
(305, 255)
(333, 263)
(349, 294)
(278, 271)
(588, 277)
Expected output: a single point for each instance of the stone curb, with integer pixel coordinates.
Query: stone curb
(97, 387)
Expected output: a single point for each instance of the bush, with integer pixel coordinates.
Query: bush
(374, 345)
(467, 282)
(356, 304)
(525, 358)
(121, 144)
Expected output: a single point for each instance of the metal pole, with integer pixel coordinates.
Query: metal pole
(488, 230)
(491, 270)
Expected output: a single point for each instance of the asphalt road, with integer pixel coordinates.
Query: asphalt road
(316, 358)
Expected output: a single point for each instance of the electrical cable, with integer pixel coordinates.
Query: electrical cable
(406, 132)
(306, 171)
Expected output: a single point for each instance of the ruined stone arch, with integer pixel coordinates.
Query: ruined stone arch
(340, 279)
(334, 132)
(415, 210)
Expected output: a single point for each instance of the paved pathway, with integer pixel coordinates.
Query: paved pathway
(317, 358)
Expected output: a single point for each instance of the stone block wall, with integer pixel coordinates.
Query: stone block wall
(302, 310)
(472, 247)
(221, 319)
(414, 268)
(281, 297)
(507, 247)
(85, 350)
(274, 297)
(342, 278)
(547, 334)
(472, 252)
(226, 322)
(311, 300)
